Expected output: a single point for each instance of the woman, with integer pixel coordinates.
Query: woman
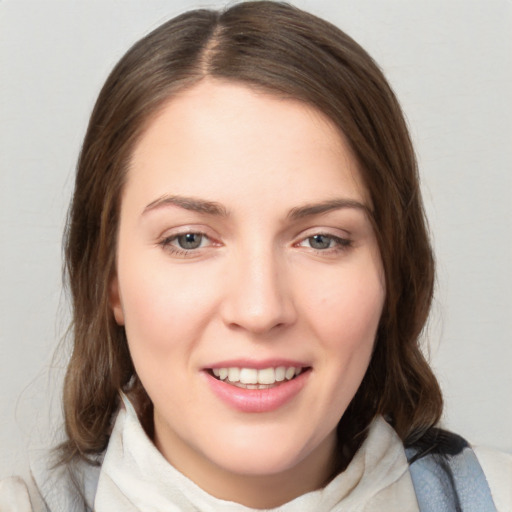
(250, 272)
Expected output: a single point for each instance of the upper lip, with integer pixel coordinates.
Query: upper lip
(257, 364)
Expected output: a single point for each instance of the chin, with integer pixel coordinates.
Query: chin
(258, 463)
(258, 454)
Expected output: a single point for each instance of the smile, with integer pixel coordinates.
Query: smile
(257, 390)
(252, 378)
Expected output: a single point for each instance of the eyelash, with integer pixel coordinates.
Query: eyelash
(340, 244)
(166, 243)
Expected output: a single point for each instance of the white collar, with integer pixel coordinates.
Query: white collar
(135, 477)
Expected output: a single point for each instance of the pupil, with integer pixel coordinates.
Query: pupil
(190, 240)
(320, 242)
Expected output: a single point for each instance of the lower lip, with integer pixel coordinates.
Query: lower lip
(258, 400)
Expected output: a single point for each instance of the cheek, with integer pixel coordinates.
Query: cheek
(345, 316)
(164, 307)
(347, 310)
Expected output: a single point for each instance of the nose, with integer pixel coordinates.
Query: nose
(258, 296)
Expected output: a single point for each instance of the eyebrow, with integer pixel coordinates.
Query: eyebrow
(188, 203)
(309, 210)
(213, 208)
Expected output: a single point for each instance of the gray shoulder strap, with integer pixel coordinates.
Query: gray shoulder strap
(447, 476)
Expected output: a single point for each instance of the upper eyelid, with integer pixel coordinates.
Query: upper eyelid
(173, 236)
(327, 235)
(183, 230)
(327, 231)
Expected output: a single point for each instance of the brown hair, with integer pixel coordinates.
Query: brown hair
(283, 50)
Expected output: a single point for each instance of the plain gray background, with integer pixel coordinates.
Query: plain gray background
(450, 63)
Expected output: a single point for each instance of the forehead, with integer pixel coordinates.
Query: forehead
(230, 141)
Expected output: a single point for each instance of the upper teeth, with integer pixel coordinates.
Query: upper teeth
(253, 376)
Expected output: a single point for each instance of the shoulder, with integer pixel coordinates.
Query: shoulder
(50, 488)
(444, 466)
(20, 495)
(70, 487)
(497, 467)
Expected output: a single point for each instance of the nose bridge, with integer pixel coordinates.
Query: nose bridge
(258, 297)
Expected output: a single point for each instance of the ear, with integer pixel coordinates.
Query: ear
(115, 301)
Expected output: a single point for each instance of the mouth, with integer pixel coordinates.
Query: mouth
(252, 378)
(257, 387)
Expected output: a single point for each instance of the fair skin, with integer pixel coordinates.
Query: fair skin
(244, 242)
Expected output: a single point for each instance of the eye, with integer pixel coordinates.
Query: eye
(183, 244)
(325, 242)
(190, 241)
(320, 242)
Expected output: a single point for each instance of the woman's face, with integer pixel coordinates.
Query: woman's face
(249, 282)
